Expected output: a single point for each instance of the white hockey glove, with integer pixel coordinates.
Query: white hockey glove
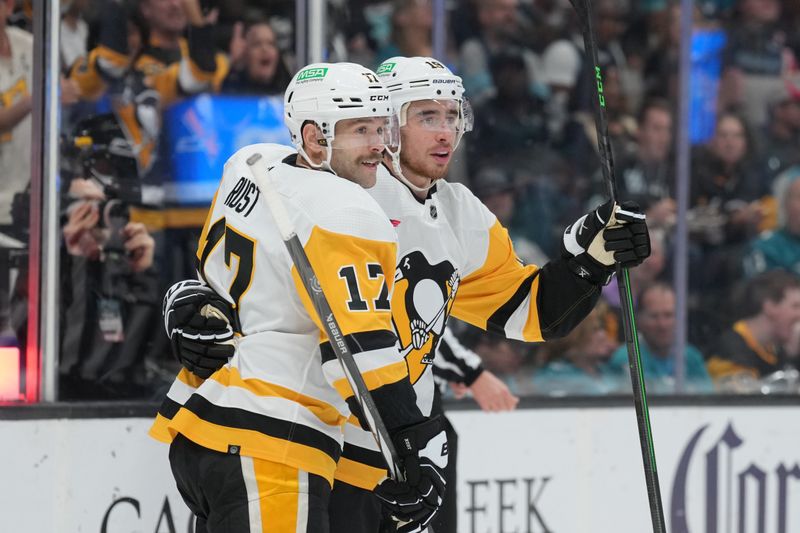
(423, 453)
(609, 234)
(198, 322)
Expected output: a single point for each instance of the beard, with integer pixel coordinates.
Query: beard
(419, 168)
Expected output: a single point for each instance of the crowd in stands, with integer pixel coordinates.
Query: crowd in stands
(532, 159)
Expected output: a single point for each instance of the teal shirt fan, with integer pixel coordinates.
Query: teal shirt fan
(659, 372)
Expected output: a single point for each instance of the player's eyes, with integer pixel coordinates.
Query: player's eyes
(362, 130)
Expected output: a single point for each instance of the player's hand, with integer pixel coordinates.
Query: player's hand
(198, 322)
(491, 394)
(423, 453)
(609, 234)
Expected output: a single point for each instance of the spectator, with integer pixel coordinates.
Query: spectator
(16, 86)
(496, 191)
(756, 345)
(512, 122)
(757, 55)
(412, 26)
(505, 359)
(74, 32)
(263, 71)
(780, 142)
(167, 67)
(649, 272)
(655, 318)
(576, 364)
(646, 176)
(580, 136)
(780, 249)
(726, 206)
(500, 28)
(611, 16)
(108, 311)
(561, 63)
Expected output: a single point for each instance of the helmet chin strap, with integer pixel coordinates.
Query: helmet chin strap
(325, 165)
(398, 171)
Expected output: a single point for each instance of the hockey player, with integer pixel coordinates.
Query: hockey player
(455, 258)
(254, 446)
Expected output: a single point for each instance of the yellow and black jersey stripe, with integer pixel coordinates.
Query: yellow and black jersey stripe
(519, 301)
(241, 422)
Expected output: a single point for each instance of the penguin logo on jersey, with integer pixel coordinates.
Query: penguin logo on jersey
(423, 297)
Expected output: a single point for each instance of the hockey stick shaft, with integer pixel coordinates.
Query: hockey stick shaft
(585, 14)
(261, 176)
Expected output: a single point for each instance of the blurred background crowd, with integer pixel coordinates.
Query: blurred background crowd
(156, 94)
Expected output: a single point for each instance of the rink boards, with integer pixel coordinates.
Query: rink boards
(556, 469)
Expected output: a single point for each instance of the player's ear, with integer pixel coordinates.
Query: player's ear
(311, 141)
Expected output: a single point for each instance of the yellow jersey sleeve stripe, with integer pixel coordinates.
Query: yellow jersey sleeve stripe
(189, 379)
(334, 257)
(375, 378)
(499, 282)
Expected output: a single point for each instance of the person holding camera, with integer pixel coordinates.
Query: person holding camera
(107, 284)
(85, 234)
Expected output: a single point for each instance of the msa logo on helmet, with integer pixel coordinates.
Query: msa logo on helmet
(386, 68)
(312, 73)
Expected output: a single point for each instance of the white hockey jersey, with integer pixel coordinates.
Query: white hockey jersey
(16, 82)
(454, 258)
(282, 395)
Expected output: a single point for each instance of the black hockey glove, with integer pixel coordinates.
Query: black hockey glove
(198, 323)
(597, 240)
(423, 453)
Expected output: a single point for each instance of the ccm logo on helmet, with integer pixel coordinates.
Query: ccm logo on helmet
(378, 98)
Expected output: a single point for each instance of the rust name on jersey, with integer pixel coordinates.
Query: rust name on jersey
(243, 196)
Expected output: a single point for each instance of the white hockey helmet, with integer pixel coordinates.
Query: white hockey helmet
(325, 93)
(410, 79)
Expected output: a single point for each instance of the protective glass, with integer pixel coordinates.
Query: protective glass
(452, 116)
(368, 132)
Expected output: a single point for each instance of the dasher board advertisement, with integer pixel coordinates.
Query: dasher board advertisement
(559, 470)
(721, 470)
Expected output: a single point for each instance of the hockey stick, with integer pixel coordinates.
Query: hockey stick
(261, 177)
(585, 13)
